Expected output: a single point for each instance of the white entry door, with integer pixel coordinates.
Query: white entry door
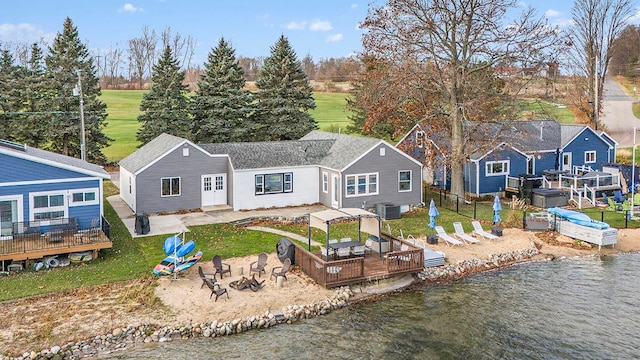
(566, 161)
(214, 189)
(335, 191)
(10, 212)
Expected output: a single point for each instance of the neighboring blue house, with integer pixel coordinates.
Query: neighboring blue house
(39, 186)
(518, 148)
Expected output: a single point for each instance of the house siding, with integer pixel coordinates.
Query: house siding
(587, 140)
(305, 189)
(128, 194)
(493, 184)
(13, 169)
(387, 167)
(325, 198)
(84, 213)
(188, 168)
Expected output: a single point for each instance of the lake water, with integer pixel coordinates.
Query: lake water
(577, 308)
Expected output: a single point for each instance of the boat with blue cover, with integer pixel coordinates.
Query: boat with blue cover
(577, 218)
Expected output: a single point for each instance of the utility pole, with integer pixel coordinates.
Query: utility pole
(595, 103)
(77, 91)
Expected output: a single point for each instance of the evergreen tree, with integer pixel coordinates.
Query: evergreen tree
(221, 107)
(166, 106)
(9, 96)
(36, 101)
(285, 96)
(67, 60)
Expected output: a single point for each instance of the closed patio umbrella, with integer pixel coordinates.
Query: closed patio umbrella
(433, 212)
(497, 207)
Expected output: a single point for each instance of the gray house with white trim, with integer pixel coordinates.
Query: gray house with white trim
(172, 174)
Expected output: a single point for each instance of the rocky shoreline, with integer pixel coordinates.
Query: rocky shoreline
(122, 338)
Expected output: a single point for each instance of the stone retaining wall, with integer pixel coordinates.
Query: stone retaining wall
(121, 338)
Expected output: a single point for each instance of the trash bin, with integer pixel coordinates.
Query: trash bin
(496, 230)
(432, 239)
(142, 224)
(286, 250)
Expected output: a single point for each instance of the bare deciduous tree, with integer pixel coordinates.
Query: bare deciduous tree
(457, 41)
(597, 23)
(142, 54)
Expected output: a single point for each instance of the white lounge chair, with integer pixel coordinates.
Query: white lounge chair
(460, 234)
(323, 253)
(477, 228)
(448, 239)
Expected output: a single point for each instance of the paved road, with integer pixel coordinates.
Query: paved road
(617, 115)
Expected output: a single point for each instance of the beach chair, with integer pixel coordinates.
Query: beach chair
(618, 197)
(215, 289)
(477, 229)
(220, 267)
(258, 266)
(204, 276)
(613, 206)
(460, 234)
(281, 270)
(368, 246)
(448, 239)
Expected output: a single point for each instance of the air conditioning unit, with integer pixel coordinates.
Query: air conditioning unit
(388, 211)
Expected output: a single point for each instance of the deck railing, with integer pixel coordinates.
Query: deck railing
(49, 235)
(352, 270)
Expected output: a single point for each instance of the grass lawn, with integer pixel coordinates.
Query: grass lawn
(123, 107)
(542, 109)
(133, 258)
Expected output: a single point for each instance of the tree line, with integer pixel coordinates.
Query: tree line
(39, 105)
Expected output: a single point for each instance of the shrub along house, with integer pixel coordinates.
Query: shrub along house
(172, 174)
(49, 204)
(499, 152)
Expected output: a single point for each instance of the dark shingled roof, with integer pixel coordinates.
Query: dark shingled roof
(271, 154)
(345, 150)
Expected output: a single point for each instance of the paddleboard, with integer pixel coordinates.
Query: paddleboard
(166, 266)
(189, 262)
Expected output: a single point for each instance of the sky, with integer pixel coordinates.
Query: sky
(321, 28)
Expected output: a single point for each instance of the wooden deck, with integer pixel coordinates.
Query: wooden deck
(356, 270)
(37, 246)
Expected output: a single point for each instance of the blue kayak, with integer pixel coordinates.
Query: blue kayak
(171, 243)
(578, 218)
(185, 248)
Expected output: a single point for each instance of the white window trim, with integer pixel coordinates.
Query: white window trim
(19, 209)
(285, 182)
(33, 210)
(410, 180)
(489, 164)
(170, 178)
(586, 154)
(355, 178)
(325, 182)
(84, 191)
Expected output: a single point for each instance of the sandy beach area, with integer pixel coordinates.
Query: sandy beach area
(43, 321)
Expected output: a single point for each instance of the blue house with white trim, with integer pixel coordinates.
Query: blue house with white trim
(510, 149)
(41, 189)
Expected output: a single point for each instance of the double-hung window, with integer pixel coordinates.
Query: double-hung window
(273, 183)
(47, 206)
(496, 168)
(362, 184)
(170, 186)
(404, 180)
(589, 157)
